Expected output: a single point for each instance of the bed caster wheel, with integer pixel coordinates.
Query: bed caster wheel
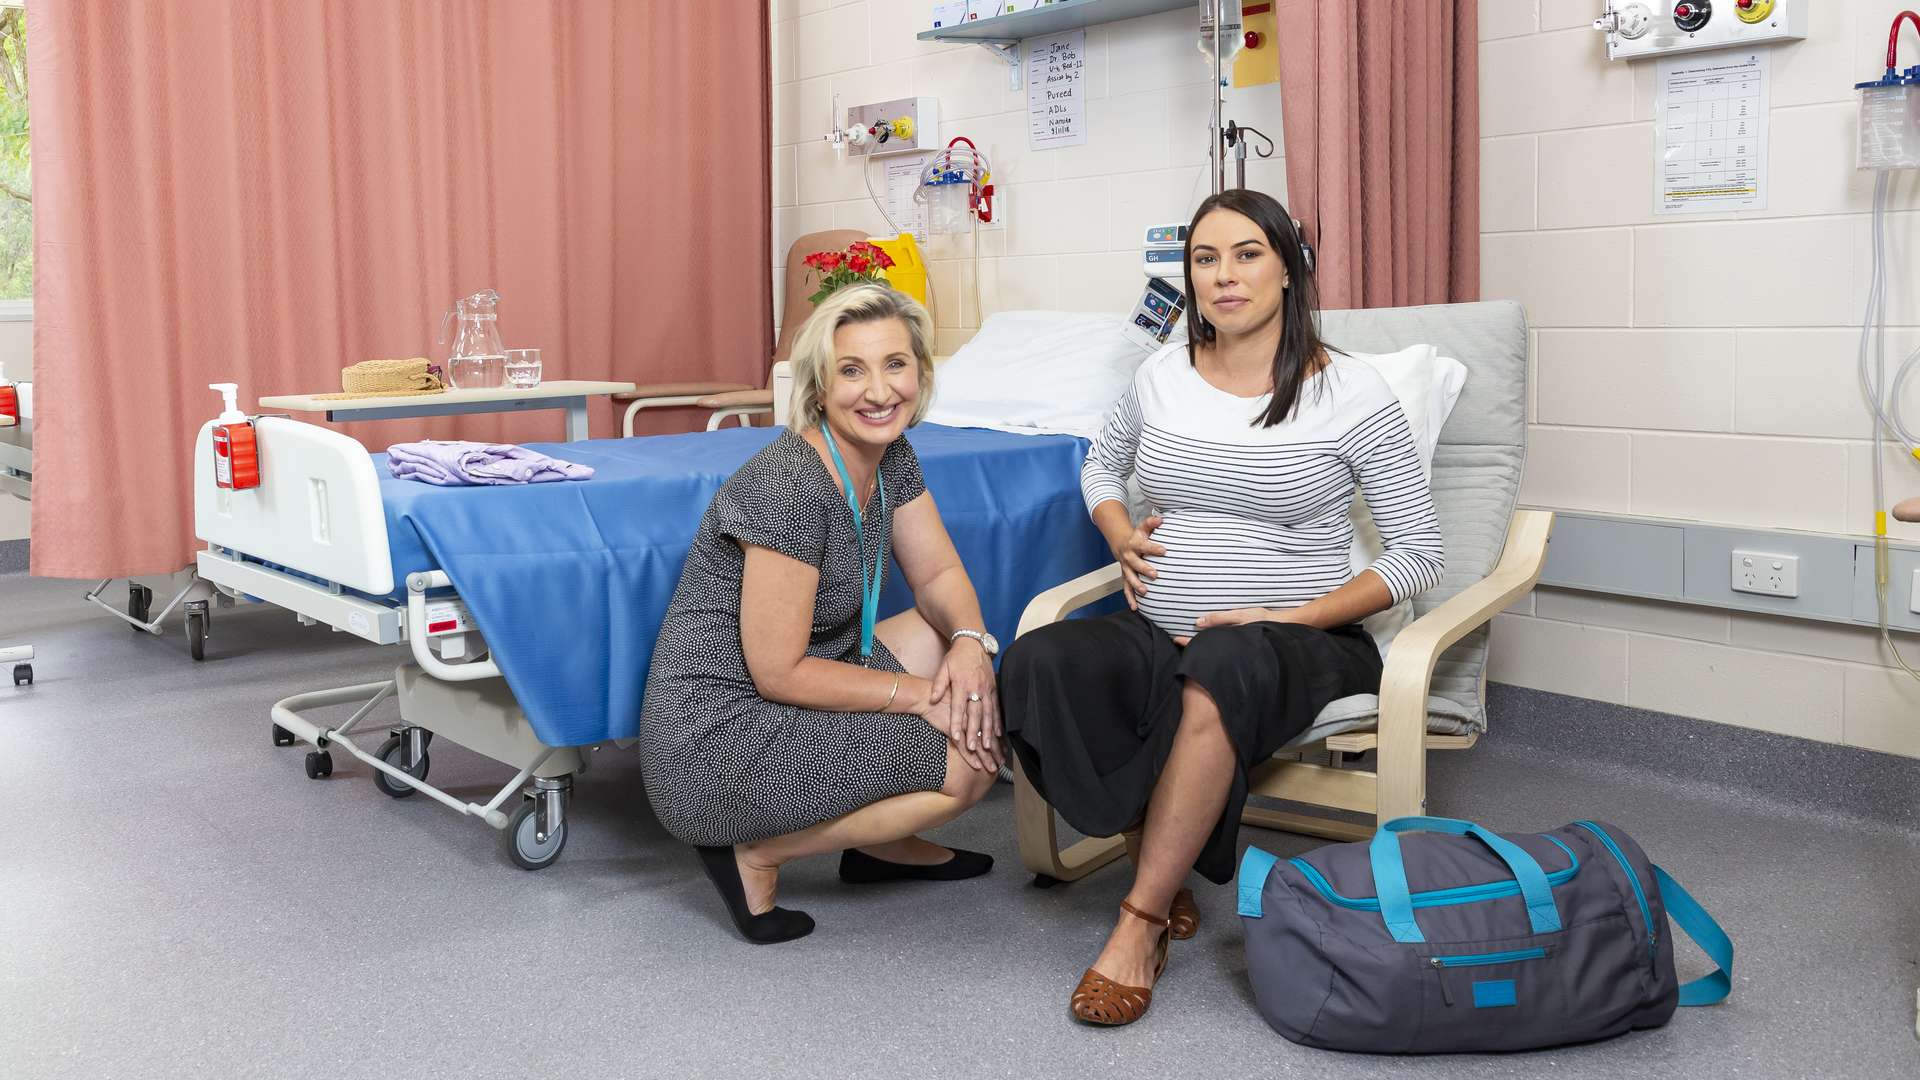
(281, 736)
(139, 604)
(527, 852)
(319, 764)
(197, 634)
(393, 752)
(23, 674)
(1045, 881)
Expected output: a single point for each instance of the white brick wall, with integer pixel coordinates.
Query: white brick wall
(1075, 216)
(1696, 367)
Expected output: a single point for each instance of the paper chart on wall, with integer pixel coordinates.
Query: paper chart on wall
(1057, 91)
(1711, 115)
(903, 179)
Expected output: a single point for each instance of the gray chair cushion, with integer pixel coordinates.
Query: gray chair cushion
(1476, 477)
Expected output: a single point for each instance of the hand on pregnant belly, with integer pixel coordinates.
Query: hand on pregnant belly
(1135, 569)
(1207, 575)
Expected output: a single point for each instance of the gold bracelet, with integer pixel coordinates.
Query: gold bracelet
(892, 694)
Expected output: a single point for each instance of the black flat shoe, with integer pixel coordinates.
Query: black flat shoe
(767, 928)
(859, 868)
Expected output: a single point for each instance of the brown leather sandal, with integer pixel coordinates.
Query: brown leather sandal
(1183, 918)
(1100, 1000)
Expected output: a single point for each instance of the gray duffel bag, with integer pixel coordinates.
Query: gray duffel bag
(1461, 939)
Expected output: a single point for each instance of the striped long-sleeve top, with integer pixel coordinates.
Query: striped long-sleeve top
(1260, 516)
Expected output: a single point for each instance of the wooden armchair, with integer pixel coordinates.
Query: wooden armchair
(1433, 689)
(738, 399)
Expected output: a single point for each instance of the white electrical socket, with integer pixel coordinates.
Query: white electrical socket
(1913, 594)
(1767, 575)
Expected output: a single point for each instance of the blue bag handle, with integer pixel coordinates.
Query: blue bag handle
(1682, 908)
(1390, 874)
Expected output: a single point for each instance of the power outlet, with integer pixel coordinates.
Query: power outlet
(1913, 594)
(1767, 575)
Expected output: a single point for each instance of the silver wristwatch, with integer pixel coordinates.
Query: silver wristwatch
(987, 641)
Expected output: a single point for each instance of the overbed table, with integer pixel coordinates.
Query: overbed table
(568, 394)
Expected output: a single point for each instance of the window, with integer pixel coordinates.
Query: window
(16, 166)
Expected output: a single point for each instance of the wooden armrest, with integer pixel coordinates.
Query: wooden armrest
(737, 399)
(1408, 673)
(678, 389)
(1063, 600)
(1410, 659)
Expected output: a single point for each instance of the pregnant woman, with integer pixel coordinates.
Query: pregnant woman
(1244, 612)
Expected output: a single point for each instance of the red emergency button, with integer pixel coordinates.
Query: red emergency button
(1743, 4)
(1683, 11)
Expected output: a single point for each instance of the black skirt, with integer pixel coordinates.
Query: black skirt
(1092, 706)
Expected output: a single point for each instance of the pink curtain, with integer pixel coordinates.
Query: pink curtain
(265, 192)
(1382, 104)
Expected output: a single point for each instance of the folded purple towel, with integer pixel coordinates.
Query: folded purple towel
(460, 464)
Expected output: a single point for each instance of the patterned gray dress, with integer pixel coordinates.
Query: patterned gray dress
(723, 765)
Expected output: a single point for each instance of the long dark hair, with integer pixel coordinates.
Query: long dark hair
(1300, 342)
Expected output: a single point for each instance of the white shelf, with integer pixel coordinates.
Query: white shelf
(1054, 19)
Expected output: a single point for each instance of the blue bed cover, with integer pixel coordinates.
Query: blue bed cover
(569, 581)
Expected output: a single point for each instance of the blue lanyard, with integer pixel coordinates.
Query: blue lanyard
(869, 587)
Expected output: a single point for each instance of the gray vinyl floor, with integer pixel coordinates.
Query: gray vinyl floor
(178, 900)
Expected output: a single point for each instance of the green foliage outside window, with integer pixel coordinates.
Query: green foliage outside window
(16, 173)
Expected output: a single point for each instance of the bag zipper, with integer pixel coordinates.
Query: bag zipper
(1440, 964)
(1639, 893)
(1464, 894)
(1479, 959)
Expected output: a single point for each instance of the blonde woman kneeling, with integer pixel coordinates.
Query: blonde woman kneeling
(780, 719)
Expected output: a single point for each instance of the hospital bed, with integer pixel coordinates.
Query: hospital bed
(528, 614)
(16, 479)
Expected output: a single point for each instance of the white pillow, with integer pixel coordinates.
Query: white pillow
(1427, 385)
(1037, 373)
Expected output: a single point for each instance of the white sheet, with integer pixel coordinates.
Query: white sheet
(1037, 373)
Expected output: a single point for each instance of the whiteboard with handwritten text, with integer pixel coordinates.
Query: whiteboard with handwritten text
(1057, 91)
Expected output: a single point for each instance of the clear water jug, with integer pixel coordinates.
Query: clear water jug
(478, 360)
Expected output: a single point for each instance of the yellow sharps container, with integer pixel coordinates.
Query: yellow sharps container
(909, 271)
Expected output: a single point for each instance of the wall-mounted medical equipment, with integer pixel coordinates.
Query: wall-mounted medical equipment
(1158, 311)
(956, 186)
(900, 126)
(1889, 139)
(1890, 110)
(1637, 29)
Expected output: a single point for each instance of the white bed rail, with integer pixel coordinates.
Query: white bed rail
(417, 587)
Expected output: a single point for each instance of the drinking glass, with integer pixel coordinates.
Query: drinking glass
(523, 368)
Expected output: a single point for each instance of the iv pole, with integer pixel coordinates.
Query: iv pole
(1226, 133)
(1216, 158)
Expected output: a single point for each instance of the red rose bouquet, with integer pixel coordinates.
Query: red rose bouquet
(860, 263)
